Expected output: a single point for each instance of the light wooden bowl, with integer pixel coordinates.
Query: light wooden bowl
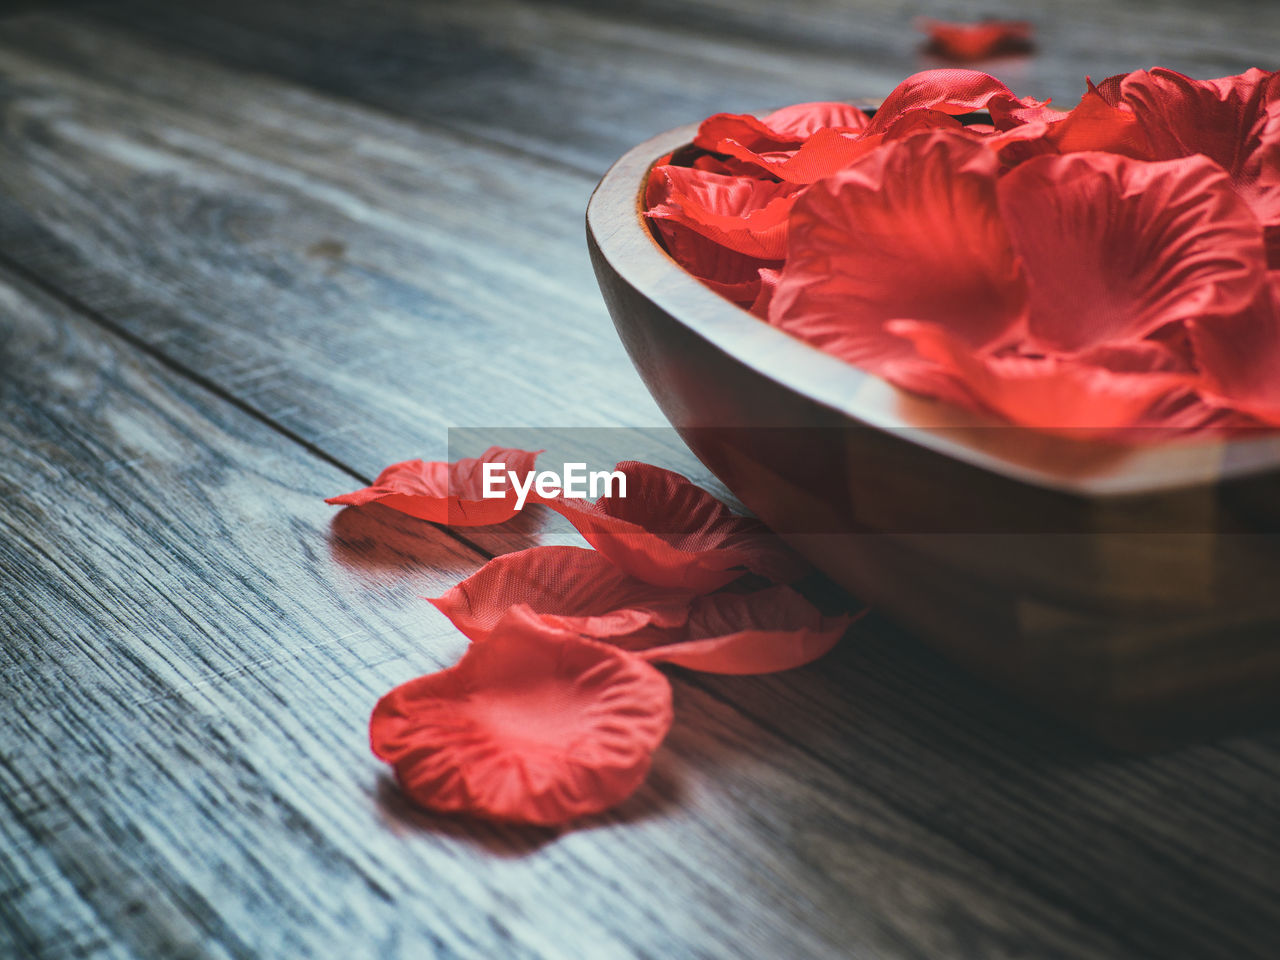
(1135, 592)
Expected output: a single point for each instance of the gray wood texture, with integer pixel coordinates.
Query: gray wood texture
(249, 253)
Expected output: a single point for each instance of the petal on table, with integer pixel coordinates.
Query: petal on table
(532, 726)
(447, 493)
(571, 588)
(1116, 248)
(975, 41)
(669, 531)
(749, 633)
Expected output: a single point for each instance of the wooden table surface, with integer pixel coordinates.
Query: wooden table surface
(250, 252)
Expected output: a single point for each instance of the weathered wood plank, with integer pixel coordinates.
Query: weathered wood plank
(584, 81)
(188, 668)
(240, 177)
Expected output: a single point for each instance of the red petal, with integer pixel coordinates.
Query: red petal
(745, 215)
(530, 726)
(1116, 248)
(733, 275)
(671, 532)
(1240, 356)
(823, 154)
(1049, 393)
(1096, 124)
(747, 633)
(911, 231)
(801, 121)
(566, 587)
(780, 130)
(951, 91)
(1181, 116)
(448, 493)
(974, 41)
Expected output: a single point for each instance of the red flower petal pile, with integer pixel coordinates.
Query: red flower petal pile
(556, 709)
(1109, 267)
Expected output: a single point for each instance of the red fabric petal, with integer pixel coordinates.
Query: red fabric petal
(1225, 119)
(1240, 356)
(823, 154)
(780, 130)
(802, 120)
(448, 493)
(1096, 124)
(671, 532)
(974, 41)
(745, 215)
(729, 273)
(748, 633)
(531, 726)
(1116, 248)
(912, 231)
(566, 587)
(1181, 116)
(952, 91)
(1049, 393)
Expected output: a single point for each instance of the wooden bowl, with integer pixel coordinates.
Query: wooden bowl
(1132, 590)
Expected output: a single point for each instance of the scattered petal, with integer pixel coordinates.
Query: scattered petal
(975, 41)
(570, 588)
(748, 633)
(532, 726)
(669, 531)
(447, 493)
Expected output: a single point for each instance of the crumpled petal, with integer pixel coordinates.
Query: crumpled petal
(956, 91)
(447, 493)
(1225, 119)
(1047, 392)
(780, 130)
(745, 215)
(570, 588)
(733, 275)
(912, 231)
(1117, 248)
(1096, 124)
(1240, 356)
(749, 633)
(823, 154)
(669, 531)
(975, 41)
(533, 726)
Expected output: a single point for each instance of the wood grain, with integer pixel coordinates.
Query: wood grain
(582, 81)
(326, 234)
(188, 667)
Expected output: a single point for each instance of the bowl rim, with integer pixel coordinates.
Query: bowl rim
(617, 226)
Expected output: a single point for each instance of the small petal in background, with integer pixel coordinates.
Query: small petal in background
(965, 42)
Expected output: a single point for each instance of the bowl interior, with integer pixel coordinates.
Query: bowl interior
(1071, 464)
